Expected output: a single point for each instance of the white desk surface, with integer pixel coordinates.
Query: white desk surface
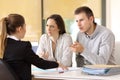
(72, 74)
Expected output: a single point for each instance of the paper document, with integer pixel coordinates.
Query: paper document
(54, 69)
(101, 69)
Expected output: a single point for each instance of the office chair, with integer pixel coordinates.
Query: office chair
(5, 72)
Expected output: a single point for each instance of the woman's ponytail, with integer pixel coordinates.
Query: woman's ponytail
(3, 36)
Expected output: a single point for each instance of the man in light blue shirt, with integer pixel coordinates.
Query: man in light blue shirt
(95, 44)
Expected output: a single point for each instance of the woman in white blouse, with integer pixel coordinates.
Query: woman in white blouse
(55, 44)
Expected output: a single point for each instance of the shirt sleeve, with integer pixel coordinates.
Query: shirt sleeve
(34, 59)
(106, 48)
(40, 48)
(67, 53)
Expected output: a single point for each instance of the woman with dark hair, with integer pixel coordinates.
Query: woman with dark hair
(19, 54)
(54, 45)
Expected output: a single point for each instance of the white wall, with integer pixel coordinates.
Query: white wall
(113, 16)
(113, 22)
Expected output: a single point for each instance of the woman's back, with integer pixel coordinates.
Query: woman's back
(19, 55)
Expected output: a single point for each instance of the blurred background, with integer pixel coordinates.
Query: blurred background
(36, 12)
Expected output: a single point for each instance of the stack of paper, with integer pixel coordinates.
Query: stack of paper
(60, 70)
(101, 69)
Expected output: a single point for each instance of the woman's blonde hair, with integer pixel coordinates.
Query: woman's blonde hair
(3, 36)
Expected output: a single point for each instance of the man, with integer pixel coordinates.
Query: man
(95, 44)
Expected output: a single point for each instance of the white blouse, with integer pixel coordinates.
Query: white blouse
(63, 54)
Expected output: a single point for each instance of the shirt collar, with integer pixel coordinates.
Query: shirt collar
(94, 33)
(13, 37)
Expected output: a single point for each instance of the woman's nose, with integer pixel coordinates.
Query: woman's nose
(48, 27)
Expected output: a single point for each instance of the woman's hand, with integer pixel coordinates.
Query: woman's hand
(44, 55)
(61, 68)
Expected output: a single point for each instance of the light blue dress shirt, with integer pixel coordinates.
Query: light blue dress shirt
(99, 47)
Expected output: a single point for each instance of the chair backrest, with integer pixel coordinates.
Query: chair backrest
(5, 72)
(117, 52)
(34, 48)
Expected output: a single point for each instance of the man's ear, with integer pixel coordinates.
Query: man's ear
(91, 18)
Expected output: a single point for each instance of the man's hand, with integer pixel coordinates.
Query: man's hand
(77, 47)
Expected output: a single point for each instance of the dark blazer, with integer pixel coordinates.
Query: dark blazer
(19, 55)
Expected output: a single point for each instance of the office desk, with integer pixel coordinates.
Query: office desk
(72, 74)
